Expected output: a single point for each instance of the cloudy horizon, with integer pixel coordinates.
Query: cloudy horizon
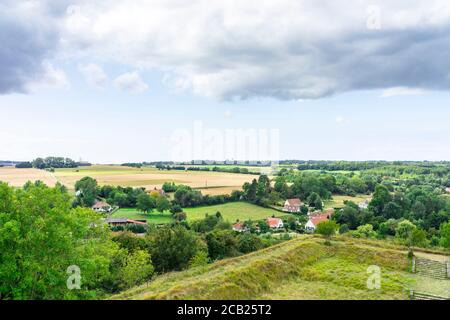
(111, 81)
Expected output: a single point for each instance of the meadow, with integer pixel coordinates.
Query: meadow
(212, 183)
(338, 200)
(303, 268)
(231, 212)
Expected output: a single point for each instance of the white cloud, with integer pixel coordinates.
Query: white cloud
(51, 78)
(287, 49)
(402, 91)
(131, 81)
(94, 75)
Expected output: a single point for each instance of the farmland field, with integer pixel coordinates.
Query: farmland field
(209, 182)
(230, 211)
(18, 177)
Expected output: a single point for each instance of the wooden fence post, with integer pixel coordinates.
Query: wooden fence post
(447, 266)
(411, 294)
(413, 265)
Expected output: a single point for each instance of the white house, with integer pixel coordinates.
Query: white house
(314, 220)
(364, 204)
(275, 223)
(102, 206)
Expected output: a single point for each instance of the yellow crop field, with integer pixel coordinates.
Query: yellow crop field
(148, 177)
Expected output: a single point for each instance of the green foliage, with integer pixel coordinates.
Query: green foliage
(136, 269)
(327, 229)
(364, 231)
(145, 203)
(249, 242)
(221, 244)
(86, 189)
(41, 235)
(445, 235)
(172, 248)
(200, 259)
(162, 204)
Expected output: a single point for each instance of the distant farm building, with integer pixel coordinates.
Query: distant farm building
(157, 191)
(292, 205)
(315, 219)
(124, 222)
(364, 204)
(102, 206)
(275, 223)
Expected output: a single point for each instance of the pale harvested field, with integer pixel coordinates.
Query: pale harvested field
(18, 177)
(209, 182)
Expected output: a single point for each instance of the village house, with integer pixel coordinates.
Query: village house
(292, 205)
(315, 219)
(275, 223)
(364, 204)
(239, 227)
(157, 191)
(101, 206)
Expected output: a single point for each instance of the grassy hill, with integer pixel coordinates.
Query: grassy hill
(303, 268)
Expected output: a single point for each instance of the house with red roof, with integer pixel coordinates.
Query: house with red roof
(275, 223)
(239, 227)
(292, 205)
(315, 219)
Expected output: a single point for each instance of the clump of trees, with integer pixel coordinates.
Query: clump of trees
(54, 162)
(38, 222)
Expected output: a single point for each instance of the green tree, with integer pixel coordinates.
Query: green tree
(327, 229)
(162, 204)
(221, 244)
(248, 242)
(41, 235)
(136, 269)
(86, 190)
(444, 232)
(380, 199)
(200, 259)
(364, 231)
(172, 248)
(145, 203)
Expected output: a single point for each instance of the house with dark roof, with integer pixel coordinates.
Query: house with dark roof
(292, 205)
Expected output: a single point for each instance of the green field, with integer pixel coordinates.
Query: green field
(230, 212)
(233, 211)
(134, 214)
(338, 200)
(303, 268)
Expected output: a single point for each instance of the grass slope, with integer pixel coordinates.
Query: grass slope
(303, 268)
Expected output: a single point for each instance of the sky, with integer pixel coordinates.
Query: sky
(130, 81)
